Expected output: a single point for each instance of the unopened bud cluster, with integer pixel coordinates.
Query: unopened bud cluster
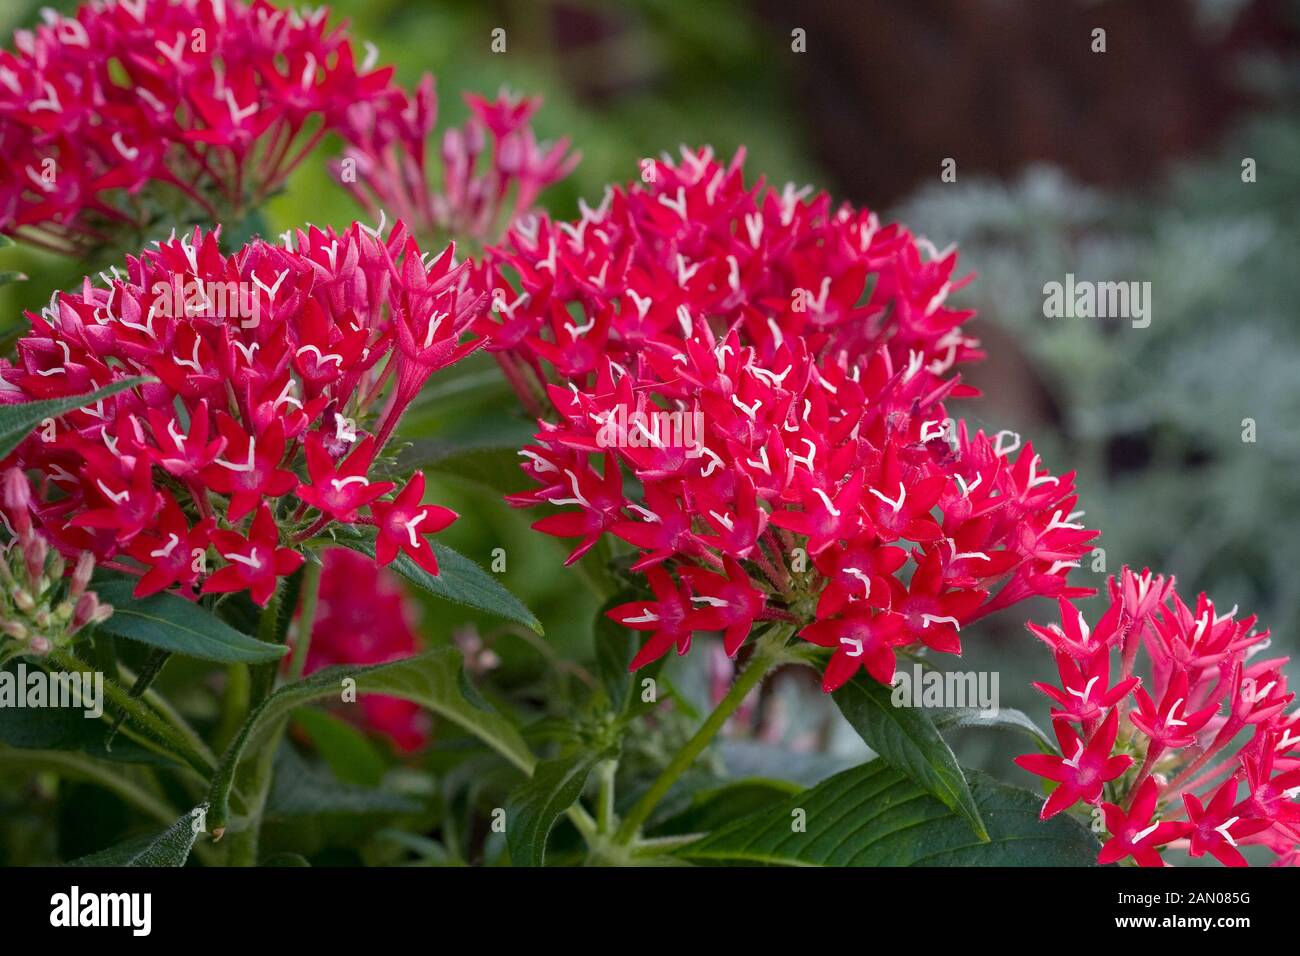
(41, 606)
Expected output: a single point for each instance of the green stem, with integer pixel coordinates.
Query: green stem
(234, 705)
(268, 632)
(141, 714)
(660, 845)
(160, 704)
(583, 822)
(244, 842)
(605, 798)
(80, 767)
(110, 777)
(307, 619)
(767, 654)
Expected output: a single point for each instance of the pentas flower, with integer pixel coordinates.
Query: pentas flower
(42, 605)
(486, 174)
(112, 116)
(1134, 834)
(404, 522)
(276, 375)
(771, 456)
(364, 617)
(1192, 747)
(693, 243)
(1086, 770)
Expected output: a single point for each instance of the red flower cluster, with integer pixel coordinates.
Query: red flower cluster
(215, 101)
(480, 190)
(772, 373)
(247, 443)
(1207, 720)
(375, 630)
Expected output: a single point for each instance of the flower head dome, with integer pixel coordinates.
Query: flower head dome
(747, 386)
(1201, 754)
(133, 112)
(276, 375)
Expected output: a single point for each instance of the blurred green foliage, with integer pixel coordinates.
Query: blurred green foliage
(1157, 419)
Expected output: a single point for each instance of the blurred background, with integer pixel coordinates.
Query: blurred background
(1124, 165)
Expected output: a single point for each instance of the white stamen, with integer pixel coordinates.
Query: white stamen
(998, 439)
(249, 561)
(896, 505)
(246, 466)
(117, 497)
(928, 619)
(411, 525)
(826, 500)
(166, 551)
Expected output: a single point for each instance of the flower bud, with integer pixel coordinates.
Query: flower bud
(89, 611)
(40, 646)
(81, 575)
(17, 497)
(14, 629)
(35, 551)
(63, 613)
(56, 567)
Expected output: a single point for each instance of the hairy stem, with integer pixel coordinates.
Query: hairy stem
(143, 717)
(310, 598)
(605, 799)
(767, 654)
(244, 842)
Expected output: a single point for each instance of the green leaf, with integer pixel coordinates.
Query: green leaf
(1006, 718)
(174, 624)
(431, 679)
(752, 758)
(68, 728)
(531, 810)
(459, 580)
(349, 753)
(19, 421)
(872, 815)
(906, 738)
(303, 790)
(717, 807)
(132, 785)
(169, 848)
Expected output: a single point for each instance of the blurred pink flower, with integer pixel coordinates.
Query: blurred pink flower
(364, 617)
